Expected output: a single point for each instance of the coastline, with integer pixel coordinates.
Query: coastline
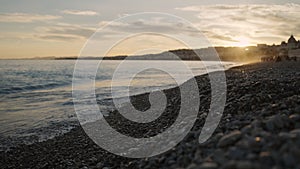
(63, 118)
(260, 123)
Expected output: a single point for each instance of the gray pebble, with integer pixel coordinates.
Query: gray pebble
(192, 166)
(208, 165)
(229, 139)
(245, 165)
(274, 122)
(289, 160)
(296, 131)
(295, 117)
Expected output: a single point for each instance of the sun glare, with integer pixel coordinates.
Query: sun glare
(242, 42)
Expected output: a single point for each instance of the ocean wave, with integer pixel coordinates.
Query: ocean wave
(30, 88)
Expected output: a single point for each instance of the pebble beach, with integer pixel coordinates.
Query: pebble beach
(260, 128)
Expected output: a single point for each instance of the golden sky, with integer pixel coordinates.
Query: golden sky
(61, 28)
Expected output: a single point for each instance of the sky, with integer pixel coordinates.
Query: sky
(40, 28)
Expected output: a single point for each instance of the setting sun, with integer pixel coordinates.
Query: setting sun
(150, 84)
(242, 42)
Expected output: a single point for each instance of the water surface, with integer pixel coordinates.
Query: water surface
(36, 95)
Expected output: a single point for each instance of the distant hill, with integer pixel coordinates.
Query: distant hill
(207, 54)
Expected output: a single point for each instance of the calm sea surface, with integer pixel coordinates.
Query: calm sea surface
(36, 95)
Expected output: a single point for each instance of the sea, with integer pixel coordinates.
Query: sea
(36, 100)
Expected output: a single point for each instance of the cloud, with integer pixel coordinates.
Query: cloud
(222, 37)
(57, 37)
(257, 22)
(64, 32)
(155, 24)
(79, 12)
(75, 30)
(25, 17)
(59, 32)
(14, 36)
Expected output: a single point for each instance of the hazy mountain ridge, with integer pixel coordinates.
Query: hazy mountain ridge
(207, 54)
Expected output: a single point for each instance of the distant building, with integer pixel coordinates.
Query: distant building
(294, 54)
(289, 50)
(292, 43)
(293, 48)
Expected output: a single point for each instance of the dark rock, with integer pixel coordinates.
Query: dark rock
(188, 160)
(219, 156)
(297, 110)
(251, 156)
(192, 166)
(99, 165)
(296, 131)
(266, 158)
(229, 139)
(230, 165)
(235, 153)
(295, 117)
(170, 162)
(212, 140)
(247, 129)
(289, 160)
(297, 125)
(208, 165)
(276, 167)
(295, 152)
(93, 159)
(275, 122)
(284, 136)
(245, 165)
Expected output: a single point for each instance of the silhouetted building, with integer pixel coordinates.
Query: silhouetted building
(289, 50)
(292, 43)
(294, 54)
